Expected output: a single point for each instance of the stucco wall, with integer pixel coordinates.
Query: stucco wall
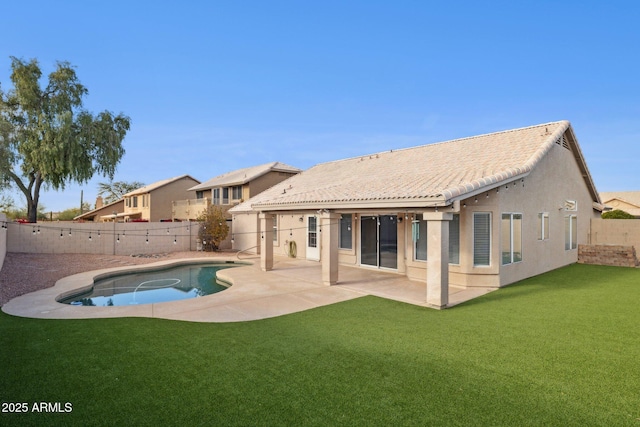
(3, 240)
(266, 181)
(102, 238)
(161, 199)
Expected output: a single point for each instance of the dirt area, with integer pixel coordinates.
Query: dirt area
(23, 273)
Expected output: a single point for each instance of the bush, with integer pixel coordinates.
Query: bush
(617, 214)
(213, 228)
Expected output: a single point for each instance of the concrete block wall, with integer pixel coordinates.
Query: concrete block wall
(615, 232)
(102, 238)
(614, 255)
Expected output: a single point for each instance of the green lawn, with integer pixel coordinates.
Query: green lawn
(559, 349)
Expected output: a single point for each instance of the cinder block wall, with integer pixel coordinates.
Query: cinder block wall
(615, 255)
(615, 232)
(3, 239)
(102, 238)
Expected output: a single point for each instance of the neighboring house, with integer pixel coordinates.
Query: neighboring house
(153, 202)
(231, 188)
(102, 212)
(484, 211)
(628, 201)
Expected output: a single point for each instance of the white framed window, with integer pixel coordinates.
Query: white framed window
(346, 233)
(275, 228)
(135, 201)
(236, 192)
(543, 226)
(216, 196)
(481, 239)
(570, 232)
(511, 238)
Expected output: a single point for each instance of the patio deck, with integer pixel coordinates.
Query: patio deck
(292, 286)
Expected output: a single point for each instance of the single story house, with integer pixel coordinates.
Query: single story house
(102, 212)
(231, 188)
(628, 201)
(487, 211)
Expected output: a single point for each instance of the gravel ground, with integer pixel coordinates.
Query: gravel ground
(23, 273)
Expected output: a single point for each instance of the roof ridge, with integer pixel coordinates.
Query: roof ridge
(430, 144)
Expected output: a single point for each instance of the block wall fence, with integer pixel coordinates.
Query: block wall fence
(615, 232)
(102, 238)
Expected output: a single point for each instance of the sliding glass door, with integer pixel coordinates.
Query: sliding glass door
(379, 241)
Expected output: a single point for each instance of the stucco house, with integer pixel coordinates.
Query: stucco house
(102, 212)
(487, 211)
(153, 202)
(628, 201)
(231, 188)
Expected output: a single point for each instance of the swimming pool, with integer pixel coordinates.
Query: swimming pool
(153, 286)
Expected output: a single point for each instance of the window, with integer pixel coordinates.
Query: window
(312, 233)
(200, 194)
(481, 238)
(454, 240)
(511, 242)
(135, 201)
(419, 233)
(225, 196)
(145, 201)
(216, 196)
(543, 226)
(275, 228)
(570, 232)
(346, 236)
(236, 192)
(127, 202)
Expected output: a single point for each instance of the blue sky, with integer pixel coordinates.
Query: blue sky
(214, 86)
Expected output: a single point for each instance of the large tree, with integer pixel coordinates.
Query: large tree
(48, 138)
(115, 190)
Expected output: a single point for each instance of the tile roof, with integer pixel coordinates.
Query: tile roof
(428, 175)
(156, 185)
(242, 176)
(631, 197)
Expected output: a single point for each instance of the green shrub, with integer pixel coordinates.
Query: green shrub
(617, 214)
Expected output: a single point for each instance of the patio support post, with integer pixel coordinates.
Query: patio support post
(266, 242)
(329, 226)
(437, 258)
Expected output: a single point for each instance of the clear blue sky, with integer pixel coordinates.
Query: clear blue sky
(214, 86)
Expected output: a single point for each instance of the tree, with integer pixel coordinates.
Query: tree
(71, 213)
(115, 190)
(617, 214)
(47, 138)
(213, 228)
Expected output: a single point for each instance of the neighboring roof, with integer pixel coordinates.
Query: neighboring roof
(96, 211)
(242, 176)
(151, 187)
(630, 197)
(429, 175)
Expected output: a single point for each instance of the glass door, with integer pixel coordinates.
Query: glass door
(369, 240)
(379, 241)
(388, 241)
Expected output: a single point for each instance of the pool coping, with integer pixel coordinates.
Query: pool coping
(253, 295)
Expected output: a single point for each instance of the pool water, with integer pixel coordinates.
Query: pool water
(170, 284)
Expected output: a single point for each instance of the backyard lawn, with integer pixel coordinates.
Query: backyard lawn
(560, 349)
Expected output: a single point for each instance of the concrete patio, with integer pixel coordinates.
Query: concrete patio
(292, 286)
